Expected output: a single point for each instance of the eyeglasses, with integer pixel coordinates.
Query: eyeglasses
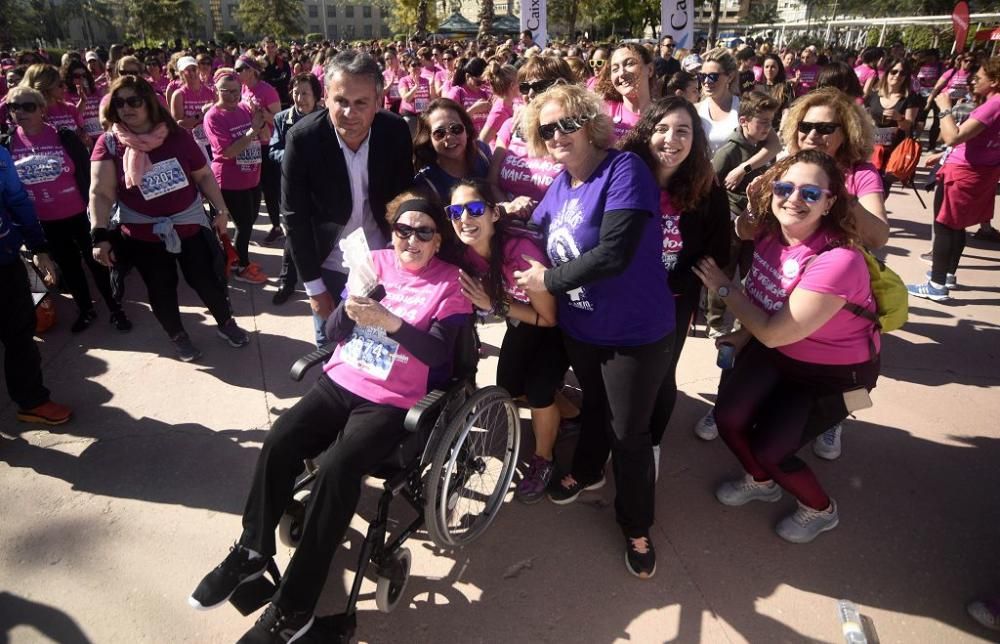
(474, 208)
(895, 72)
(566, 125)
(423, 233)
(669, 45)
(131, 72)
(825, 129)
(455, 129)
(132, 101)
(711, 77)
(596, 63)
(809, 193)
(28, 108)
(537, 87)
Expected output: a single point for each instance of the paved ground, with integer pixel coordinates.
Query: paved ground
(106, 524)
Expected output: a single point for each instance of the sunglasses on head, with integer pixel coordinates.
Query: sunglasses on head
(28, 108)
(805, 127)
(809, 193)
(566, 125)
(132, 101)
(538, 86)
(474, 208)
(423, 233)
(711, 77)
(455, 129)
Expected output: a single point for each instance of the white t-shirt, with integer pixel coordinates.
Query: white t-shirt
(718, 132)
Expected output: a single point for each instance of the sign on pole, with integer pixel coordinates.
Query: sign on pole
(677, 20)
(533, 18)
(960, 23)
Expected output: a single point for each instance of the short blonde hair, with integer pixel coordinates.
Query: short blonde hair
(576, 101)
(30, 92)
(859, 131)
(725, 60)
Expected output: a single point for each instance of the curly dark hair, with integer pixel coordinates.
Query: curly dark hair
(493, 280)
(692, 182)
(605, 88)
(839, 220)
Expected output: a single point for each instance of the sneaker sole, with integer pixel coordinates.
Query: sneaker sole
(774, 498)
(197, 605)
(826, 456)
(32, 418)
(639, 575)
(246, 280)
(597, 485)
(230, 342)
(190, 358)
(705, 436)
(929, 296)
(825, 528)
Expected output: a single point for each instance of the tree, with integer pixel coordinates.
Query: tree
(89, 13)
(763, 13)
(280, 18)
(713, 24)
(16, 22)
(487, 13)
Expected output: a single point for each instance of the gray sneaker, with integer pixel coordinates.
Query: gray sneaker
(705, 428)
(827, 445)
(233, 334)
(746, 489)
(805, 524)
(536, 479)
(186, 351)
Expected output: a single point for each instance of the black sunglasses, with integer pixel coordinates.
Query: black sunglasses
(565, 125)
(28, 108)
(474, 208)
(455, 129)
(132, 101)
(538, 86)
(669, 44)
(825, 129)
(711, 77)
(423, 233)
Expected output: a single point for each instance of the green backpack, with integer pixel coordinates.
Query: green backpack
(891, 298)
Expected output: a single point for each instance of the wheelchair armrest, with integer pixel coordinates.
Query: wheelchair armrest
(308, 361)
(425, 409)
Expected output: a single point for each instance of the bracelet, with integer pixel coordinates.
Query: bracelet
(944, 113)
(100, 235)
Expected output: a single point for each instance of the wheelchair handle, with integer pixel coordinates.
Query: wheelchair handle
(308, 361)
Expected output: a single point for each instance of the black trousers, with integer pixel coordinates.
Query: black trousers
(946, 251)
(270, 183)
(243, 207)
(22, 363)
(289, 275)
(69, 243)
(532, 363)
(202, 263)
(357, 436)
(619, 390)
(686, 303)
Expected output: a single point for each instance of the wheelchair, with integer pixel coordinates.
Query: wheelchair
(454, 468)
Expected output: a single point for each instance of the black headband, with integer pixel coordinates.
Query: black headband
(416, 205)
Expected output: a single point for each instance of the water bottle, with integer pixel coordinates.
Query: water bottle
(850, 622)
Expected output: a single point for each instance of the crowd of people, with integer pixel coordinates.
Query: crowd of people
(587, 195)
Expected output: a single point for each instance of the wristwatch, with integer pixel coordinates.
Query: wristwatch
(944, 113)
(747, 169)
(723, 292)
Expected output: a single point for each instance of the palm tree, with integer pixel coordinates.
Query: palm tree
(422, 11)
(487, 13)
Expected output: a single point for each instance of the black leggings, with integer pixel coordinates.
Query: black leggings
(243, 207)
(201, 261)
(22, 363)
(686, 304)
(357, 436)
(949, 244)
(619, 390)
(771, 405)
(69, 242)
(532, 363)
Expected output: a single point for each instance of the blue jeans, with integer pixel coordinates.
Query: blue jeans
(335, 283)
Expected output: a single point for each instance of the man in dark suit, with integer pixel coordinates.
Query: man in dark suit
(342, 165)
(665, 65)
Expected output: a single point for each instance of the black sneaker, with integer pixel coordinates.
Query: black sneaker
(273, 235)
(276, 626)
(562, 494)
(186, 351)
(83, 321)
(283, 295)
(220, 584)
(233, 334)
(640, 557)
(121, 321)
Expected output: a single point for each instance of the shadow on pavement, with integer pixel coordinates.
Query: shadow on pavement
(57, 626)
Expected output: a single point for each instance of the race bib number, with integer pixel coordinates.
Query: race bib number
(394, 91)
(92, 126)
(39, 168)
(884, 135)
(420, 104)
(199, 134)
(249, 158)
(163, 178)
(370, 350)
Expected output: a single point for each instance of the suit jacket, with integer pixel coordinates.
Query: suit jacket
(315, 189)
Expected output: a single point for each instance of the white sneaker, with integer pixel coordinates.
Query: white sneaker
(744, 490)
(656, 462)
(827, 444)
(805, 524)
(705, 428)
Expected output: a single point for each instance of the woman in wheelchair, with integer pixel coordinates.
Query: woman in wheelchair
(388, 355)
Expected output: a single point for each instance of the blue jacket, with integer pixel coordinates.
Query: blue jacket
(283, 121)
(18, 222)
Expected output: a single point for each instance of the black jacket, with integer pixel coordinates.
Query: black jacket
(316, 191)
(706, 231)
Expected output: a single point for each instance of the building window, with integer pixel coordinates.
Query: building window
(331, 11)
(366, 11)
(349, 11)
(314, 28)
(368, 31)
(333, 32)
(313, 11)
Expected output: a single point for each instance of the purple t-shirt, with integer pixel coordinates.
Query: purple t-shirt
(515, 247)
(222, 127)
(522, 175)
(629, 309)
(47, 173)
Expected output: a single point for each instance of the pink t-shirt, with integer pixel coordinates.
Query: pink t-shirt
(373, 365)
(622, 117)
(442, 79)
(864, 72)
(320, 75)
(808, 74)
(166, 189)
(47, 173)
(984, 148)
(467, 98)
(958, 83)
(262, 95)
(419, 101)
(92, 113)
(63, 115)
(515, 247)
(160, 86)
(777, 270)
(390, 80)
(499, 113)
(862, 179)
(671, 225)
(522, 175)
(430, 73)
(194, 101)
(222, 127)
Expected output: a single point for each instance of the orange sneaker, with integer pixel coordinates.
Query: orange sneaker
(252, 274)
(49, 413)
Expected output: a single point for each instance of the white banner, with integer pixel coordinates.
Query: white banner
(677, 20)
(533, 18)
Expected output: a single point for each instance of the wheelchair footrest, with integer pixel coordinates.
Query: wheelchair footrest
(333, 629)
(252, 595)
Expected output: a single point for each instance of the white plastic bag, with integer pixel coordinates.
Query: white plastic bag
(361, 277)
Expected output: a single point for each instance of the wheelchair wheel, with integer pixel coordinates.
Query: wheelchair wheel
(472, 468)
(389, 589)
(290, 524)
